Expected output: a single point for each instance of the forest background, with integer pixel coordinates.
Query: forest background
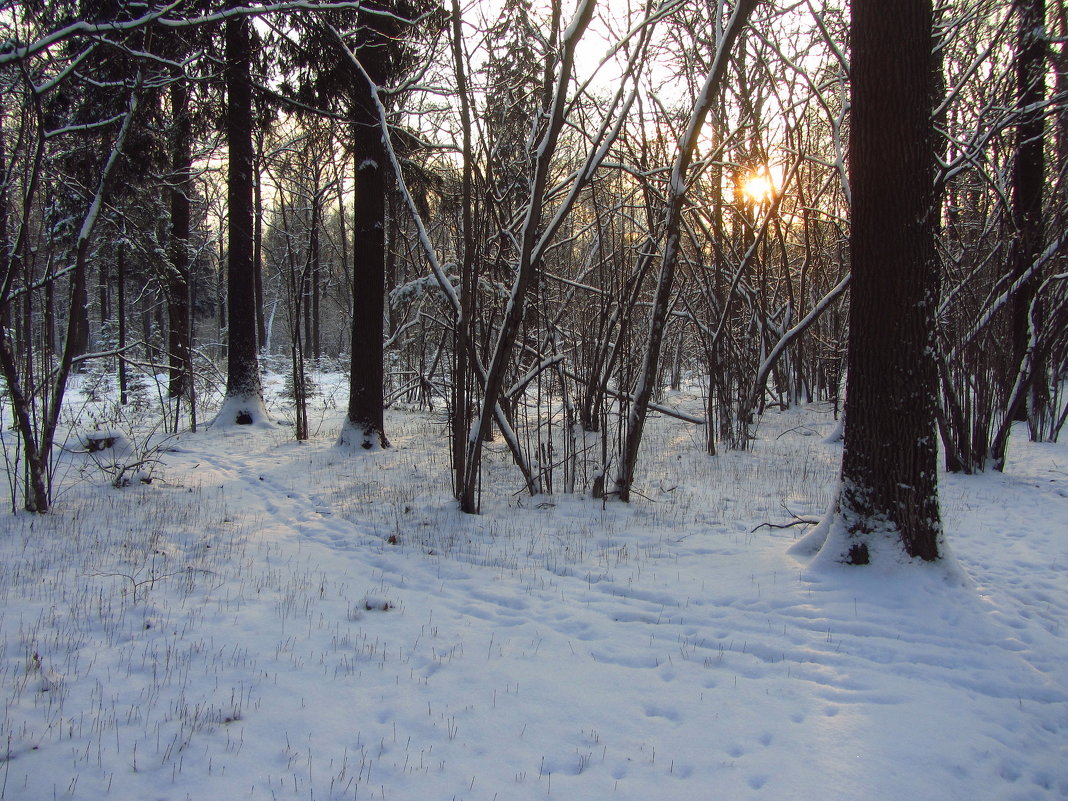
(572, 210)
(262, 363)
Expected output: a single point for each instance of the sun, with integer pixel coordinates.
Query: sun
(758, 188)
(760, 185)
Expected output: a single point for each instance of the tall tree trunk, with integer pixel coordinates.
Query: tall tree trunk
(35, 495)
(888, 499)
(120, 302)
(38, 441)
(257, 248)
(463, 378)
(244, 400)
(6, 244)
(178, 343)
(103, 297)
(365, 424)
(1028, 179)
(316, 267)
(220, 296)
(374, 65)
(527, 266)
(1027, 375)
(78, 323)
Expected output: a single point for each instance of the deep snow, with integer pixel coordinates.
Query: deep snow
(274, 620)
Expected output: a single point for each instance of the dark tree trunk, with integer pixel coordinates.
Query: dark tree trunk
(316, 266)
(242, 378)
(305, 296)
(48, 324)
(1026, 378)
(261, 321)
(120, 302)
(103, 295)
(889, 479)
(463, 378)
(79, 319)
(220, 293)
(178, 343)
(375, 48)
(146, 325)
(365, 413)
(5, 239)
(1028, 178)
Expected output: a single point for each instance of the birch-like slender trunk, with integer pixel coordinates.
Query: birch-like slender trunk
(669, 250)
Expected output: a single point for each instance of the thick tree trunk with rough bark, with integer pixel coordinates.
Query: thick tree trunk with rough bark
(889, 490)
(377, 56)
(244, 398)
(365, 425)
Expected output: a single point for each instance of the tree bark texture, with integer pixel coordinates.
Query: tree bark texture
(1028, 179)
(365, 412)
(889, 479)
(242, 378)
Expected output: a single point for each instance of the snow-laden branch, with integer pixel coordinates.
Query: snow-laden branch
(582, 178)
(672, 216)
(660, 408)
(787, 338)
(995, 41)
(1036, 342)
(533, 373)
(830, 40)
(160, 16)
(16, 53)
(525, 266)
(999, 303)
(85, 127)
(60, 76)
(37, 439)
(640, 31)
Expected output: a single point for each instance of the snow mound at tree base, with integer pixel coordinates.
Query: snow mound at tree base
(242, 411)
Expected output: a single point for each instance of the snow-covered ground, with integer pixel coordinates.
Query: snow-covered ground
(274, 620)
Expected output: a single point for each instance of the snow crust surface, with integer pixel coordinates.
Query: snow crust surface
(274, 620)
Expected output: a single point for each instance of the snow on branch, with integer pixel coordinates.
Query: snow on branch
(1006, 296)
(15, 53)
